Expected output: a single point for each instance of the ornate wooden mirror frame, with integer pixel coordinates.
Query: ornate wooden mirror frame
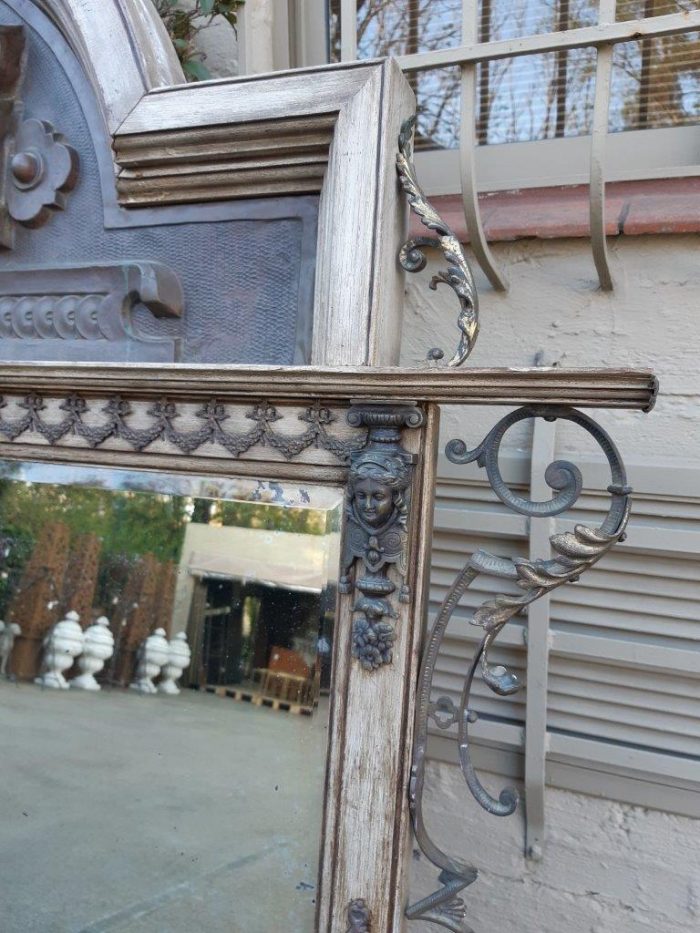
(168, 155)
(354, 427)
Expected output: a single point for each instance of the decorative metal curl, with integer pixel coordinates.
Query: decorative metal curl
(412, 258)
(575, 552)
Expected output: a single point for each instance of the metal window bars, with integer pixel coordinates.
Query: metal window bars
(602, 37)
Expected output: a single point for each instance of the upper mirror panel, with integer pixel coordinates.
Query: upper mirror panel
(166, 645)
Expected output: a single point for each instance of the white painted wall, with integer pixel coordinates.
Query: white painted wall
(608, 867)
(650, 320)
(249, 49)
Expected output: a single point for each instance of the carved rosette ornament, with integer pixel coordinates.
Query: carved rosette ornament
(37, 167)
(43, 170)
(376, 536)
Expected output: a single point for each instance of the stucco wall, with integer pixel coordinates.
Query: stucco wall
(554, 305)
(608, 867)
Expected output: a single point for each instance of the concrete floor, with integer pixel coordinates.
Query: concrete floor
(155, 814)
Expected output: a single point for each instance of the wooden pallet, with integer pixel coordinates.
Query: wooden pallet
(258, 699)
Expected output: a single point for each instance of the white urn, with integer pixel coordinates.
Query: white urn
(179, 657)
(99, 647)
(62, 646)
(8, 632)
(153, 653)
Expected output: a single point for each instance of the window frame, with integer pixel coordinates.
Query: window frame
(595, 158)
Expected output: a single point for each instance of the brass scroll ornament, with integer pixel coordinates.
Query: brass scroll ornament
(412, 258)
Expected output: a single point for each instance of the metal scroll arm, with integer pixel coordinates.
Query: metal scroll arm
(412, 258)
(575, 552)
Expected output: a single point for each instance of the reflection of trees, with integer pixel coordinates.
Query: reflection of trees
(110, 532)
(268, 517)
(655, 81)
(658, 82)
(126, 525)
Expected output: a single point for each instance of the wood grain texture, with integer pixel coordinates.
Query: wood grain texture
(370, 751)
(170, 463)
(222, 162)
(358, 300)
(588, 388)
(338, 129)
(420, 586)
(279, 96)
(390, 225)
(123, 47)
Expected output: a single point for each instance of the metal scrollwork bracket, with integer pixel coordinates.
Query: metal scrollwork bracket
(575, 552)
(376, 536)
(412, 258)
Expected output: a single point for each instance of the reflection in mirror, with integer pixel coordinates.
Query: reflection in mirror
(166, 660)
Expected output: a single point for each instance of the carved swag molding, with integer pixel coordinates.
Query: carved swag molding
(213, 414)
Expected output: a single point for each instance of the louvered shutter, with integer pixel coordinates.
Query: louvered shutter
(623, 698)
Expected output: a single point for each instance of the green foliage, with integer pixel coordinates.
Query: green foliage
(272, 518)
(128, 524)
(185, 22)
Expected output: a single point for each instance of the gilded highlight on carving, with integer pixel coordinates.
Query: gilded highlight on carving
(412, 258)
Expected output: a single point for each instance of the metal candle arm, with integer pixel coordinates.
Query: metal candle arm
(575, 552)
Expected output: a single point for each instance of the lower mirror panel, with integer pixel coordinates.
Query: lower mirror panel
(166, 644)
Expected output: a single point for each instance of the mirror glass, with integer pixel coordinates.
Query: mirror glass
(166, 648)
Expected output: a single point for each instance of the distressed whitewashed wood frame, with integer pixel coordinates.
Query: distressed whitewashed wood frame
(331, 130)
(366, 822)
(365, 847)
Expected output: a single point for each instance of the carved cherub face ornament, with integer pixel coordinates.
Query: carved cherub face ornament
(374, 502)
(377, 486)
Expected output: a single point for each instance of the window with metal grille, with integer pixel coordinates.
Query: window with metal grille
(543, 95)
(531, 93)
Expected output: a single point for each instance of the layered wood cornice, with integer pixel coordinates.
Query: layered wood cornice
(585, 388)
(244, 137)
(331, 131)
(220, 162)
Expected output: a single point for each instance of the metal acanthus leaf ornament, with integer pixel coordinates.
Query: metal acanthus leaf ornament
(575, 551)
(412, 258)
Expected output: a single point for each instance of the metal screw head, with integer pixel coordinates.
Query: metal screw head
(436, 353)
